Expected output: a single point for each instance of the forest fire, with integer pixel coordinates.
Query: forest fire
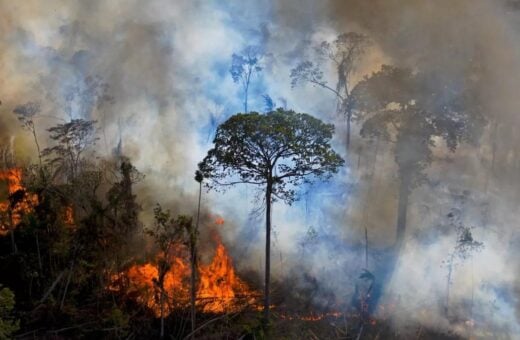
(288, 170)
(16, 202)
(219, 288)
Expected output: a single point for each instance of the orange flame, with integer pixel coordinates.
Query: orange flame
(219, 284)
(219, 288)
(68, 216)
(13, 177)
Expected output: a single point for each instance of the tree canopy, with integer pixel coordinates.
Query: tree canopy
(408, 109)
(243, 66)
(344, 53)
(277, 150)
(282, 147)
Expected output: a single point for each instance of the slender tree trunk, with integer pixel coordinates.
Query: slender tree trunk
(493, 140)
(448, 284)
(366, 248)
(13, 243)
(349, 118)
(194, 267)
(268, 193)
(245, 98)
(69, 277)
(13, 227)
(37, 146)
(162, 311)
(39, 254)
(49, 291)
(402, 210)
(246, 88)
(472, 298)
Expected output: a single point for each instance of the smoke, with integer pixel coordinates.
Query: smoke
(164, 66)
(445, 39)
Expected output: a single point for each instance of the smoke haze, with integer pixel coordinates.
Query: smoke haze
(166, 64)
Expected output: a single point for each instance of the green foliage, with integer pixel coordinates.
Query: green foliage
(8, 324)
(168, 232)
(281, 148)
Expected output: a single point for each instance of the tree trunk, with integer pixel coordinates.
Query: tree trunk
(39, 255)
(268, 193)
(366, 248)
(14, 249)
(246, 91)
(69, 277)
(13, 243)
(448, 284)
(193, 277)
(161, 301)
(246, 86)
(37, 147)
(193, 280)
(402, 210)
(349, 118)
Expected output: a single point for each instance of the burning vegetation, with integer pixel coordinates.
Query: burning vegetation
(220, 289)
(384, 207)
(16, 200)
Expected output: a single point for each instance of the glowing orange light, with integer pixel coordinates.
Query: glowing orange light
(13, 177)
(219, 286)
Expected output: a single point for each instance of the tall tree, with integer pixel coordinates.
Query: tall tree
(26, 114)
(277, 151)
(244, 66)
(73, 139)
(412, 112)
(465, 247)
(168, 233)
(193, 237)
(344, 53)
(122, 212)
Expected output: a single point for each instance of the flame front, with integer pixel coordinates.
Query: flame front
(12, 215)
(219, 287)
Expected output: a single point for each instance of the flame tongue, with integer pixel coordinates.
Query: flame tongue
(13, 178)
(218, 289)
(220, 283)
(24, 204)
